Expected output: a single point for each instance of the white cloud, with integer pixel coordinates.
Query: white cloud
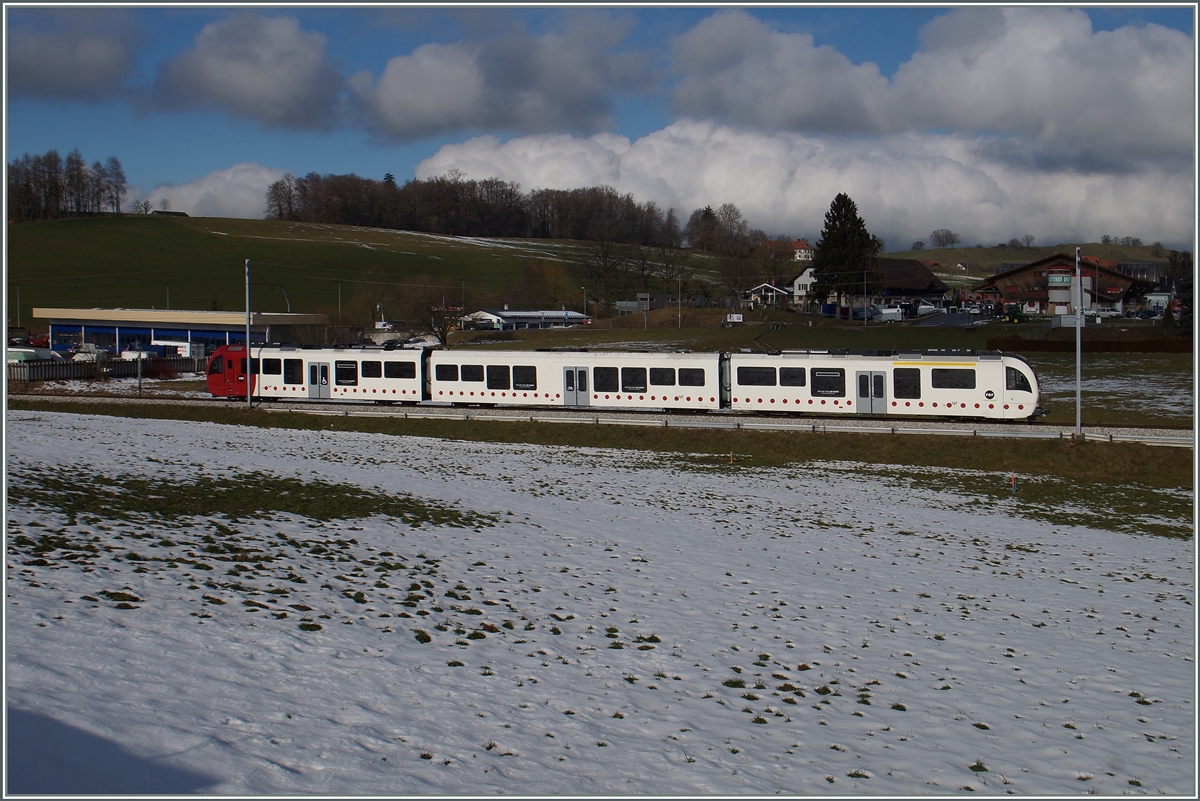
(1044, 73)
(435, 88)
(239, 191)
(905, 185)
(508, 80)
(264, 68)
(734, 67)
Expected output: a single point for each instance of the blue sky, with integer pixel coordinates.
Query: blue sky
(995, 122)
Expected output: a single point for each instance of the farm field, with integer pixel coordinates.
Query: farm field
(220, 608)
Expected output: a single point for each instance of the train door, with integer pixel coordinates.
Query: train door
(575, 386)
(871, 396)
(318, 379)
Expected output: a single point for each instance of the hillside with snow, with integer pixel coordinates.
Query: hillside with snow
(193, 607)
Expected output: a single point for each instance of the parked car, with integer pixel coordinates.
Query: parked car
(924, 309)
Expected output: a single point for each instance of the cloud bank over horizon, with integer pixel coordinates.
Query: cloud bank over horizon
(239, 191)
(905, 185)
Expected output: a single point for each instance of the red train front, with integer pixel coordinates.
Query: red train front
(227, 375)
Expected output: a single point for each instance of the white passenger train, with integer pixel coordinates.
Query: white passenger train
(929, 383)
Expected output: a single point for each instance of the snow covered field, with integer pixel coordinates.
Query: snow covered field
(585, 622)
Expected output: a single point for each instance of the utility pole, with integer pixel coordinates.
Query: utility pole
(249, 361)
(679, 301)
(1078, 351)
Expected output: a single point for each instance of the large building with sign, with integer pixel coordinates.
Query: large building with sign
(1044, 286)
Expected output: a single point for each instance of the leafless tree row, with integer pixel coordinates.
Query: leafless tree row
(47, 187)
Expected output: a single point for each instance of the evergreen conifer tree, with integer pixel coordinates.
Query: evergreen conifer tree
(841, 259)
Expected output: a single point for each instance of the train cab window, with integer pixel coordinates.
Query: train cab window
(691, 377)
(952, 378)
(498, 376)
(828, 383)
(756, 376)
(293, 371)
(1014, 379)
(524, 377)
(633, 379)
(345, 374)
(472, 372)
(445, 372)
(662, 376)
(399, 369)
(372, 369)
(792, 376)
(217, 367)
(272, 366)
(906, 382)
(604, 379)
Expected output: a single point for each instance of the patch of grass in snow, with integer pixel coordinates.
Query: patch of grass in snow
(1098, 463)
(253, 494)
(1159, 511)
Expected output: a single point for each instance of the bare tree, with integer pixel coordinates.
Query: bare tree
(1028, 240)
(944, 238)
(282, 198)
(918, 245)
(142, 206)
(116, 186)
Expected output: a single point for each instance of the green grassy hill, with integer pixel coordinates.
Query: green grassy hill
(197, 263)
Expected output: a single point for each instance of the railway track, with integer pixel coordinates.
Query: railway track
(1162, 436)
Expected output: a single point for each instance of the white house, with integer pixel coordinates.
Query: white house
(801, 286)
(802, 251)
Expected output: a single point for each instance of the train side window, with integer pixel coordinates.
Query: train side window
(792, 376)
(472, 372)
(445, 372)
(604, 379)
(217, 367)
(498, 376)
(952, 378)
(633, 379)
(662, 376)
(1014, 379)
(293, 371)
(524, 377)
(828, 383)
(372, 369)
(756, 376)
(399, 369)
(345, 374)
(272, 366)
(253, 366)
(906, 383)
(691, 377)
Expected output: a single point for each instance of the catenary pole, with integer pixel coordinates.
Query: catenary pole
(249, 361)
(1079, 350)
